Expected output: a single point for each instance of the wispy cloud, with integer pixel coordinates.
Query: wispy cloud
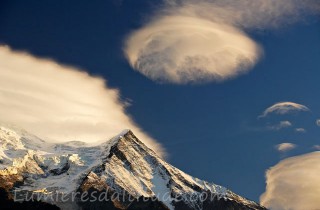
(293, 183)
(285, 147)
(284, 108)
(60, 103)
(300, 130)
(195, 41)
(282, 124)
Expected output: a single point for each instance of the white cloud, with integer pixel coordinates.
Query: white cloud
(318, 122)
(301, 130)
(282, 124)
(285, 147)
(284, 108)
(195, 41)
(60, 103)
(180, 49)
(293, 184)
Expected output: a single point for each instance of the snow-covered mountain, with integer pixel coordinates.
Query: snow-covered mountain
(121, 173)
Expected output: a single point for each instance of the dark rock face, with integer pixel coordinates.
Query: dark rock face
(218, 204)
(59, 171)
(116, 204)
(154, 204)
(8, 204)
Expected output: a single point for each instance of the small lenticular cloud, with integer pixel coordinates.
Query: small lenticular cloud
(60, 103)
(282, 124)
(284, 108)
(285, 147)
(194, 41)
(300, 130)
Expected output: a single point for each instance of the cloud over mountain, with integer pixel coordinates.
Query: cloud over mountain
(60, 103)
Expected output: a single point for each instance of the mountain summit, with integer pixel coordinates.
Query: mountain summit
(121, 173)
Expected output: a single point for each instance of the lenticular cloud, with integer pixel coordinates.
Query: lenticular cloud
(181, 49)
(194, 41)
(60, 103)
(284, 108)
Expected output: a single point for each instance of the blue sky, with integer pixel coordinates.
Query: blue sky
(211, 130)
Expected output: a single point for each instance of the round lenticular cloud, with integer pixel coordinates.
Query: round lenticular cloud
(194, 41)
(180, 49)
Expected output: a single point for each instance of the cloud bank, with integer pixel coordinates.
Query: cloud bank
(285, 147)
(293, 184)
(60, 103)
(284, 108)
(194, 41)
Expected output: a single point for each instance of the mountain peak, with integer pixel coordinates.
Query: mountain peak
(128, 139)
(124, 165)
